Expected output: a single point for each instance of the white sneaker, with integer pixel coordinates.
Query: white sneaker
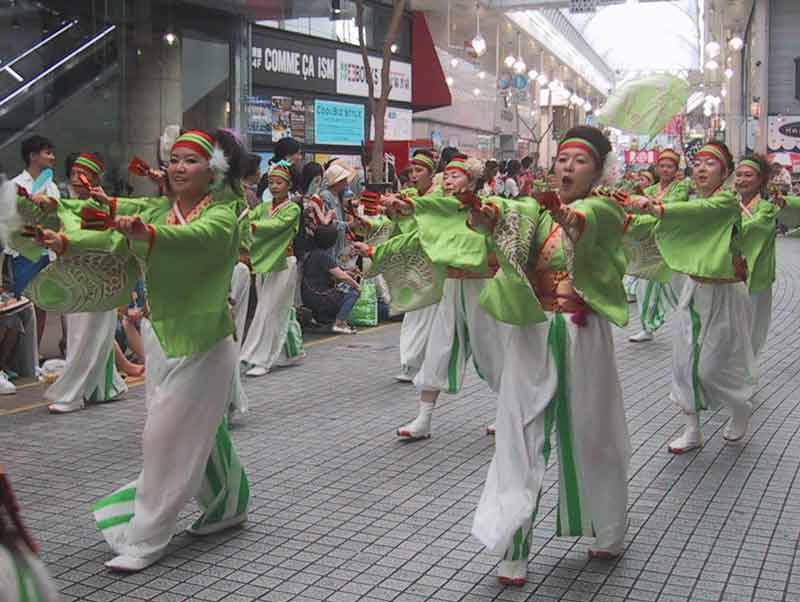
(6, 386)
(512, 572)
(642, 337)
(343, 329)
(692, 436)
(65, 407)
(736, 428)
(420, 428)
(256, 371)
(133, 564)
(404, 378)
(210, 528)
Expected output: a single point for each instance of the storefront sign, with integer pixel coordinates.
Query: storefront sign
(350, 77)
(397, 125)
(641, 157)
(281, 61)
(338, 123)
(783, 133)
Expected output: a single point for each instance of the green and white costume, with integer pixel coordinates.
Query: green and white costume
(759, 222)
(560, 378)
(275, 336)
(712, 359)
(191, 361)
(655, 297)
(23, 577)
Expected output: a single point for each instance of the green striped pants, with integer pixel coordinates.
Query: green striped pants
(654, 299)
(186, 448)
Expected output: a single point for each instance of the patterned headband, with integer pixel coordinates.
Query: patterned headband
(425, 161)
(713, 152)
(196, 140)
(90, 162)
(281, 169)
(751, 164)
(581, 144)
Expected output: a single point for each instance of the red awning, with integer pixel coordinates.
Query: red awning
(429, 90)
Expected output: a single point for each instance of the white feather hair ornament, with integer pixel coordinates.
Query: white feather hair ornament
(218, 163)
(611, 173)
(167, 140)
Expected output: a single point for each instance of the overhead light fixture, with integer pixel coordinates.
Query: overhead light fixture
(454, 62)
(712, 49)
(533, 74)
(724, 92)
(542, 79)
(587, 107)
(712, 65)
(477, 91)
(170, 37)
(449, 80)
(478, 42)
(481, 74)
(393, 48)
(728, 73)
(598, 112)
(510, 60)
(736, 42)
(519, 66)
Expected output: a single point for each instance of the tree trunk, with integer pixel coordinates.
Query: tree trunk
(377, 106)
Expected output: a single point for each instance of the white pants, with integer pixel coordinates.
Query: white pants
(240, 294)
(712, 351)
(414, 335)
(90, 373)
(559, 377)
(24, 577)
(186, 402)
(462, 329)
(762, 316)
(270, 339)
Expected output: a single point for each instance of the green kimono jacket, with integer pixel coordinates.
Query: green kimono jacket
(272, 234)
(701, 236)
(758, 239)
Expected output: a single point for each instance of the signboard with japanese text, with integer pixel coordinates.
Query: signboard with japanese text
(397, 126)
(338, 123)
(350, 77)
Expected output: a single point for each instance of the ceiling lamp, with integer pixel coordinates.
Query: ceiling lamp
(533, 74)
(712, 49)
(454, 62)
(573, 99)
(712, 65)
(477, 91)
(478, 42)
(510, 60)
(519, 66)
(449, 80)
(481, 74)
(542, 79)
(728, 73)
(587, 106)
(736, 42)
(724, 92)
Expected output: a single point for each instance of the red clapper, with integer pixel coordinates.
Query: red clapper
(139, 167)
(548, 200)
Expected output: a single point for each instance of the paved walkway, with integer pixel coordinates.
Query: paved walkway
(342, 511)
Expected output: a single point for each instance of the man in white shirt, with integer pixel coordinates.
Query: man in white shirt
(38, 155)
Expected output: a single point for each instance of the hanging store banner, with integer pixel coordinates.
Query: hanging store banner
(641, 157)
(350, 77)
(783, 133)
(397, 126)
(292, 62)
(338, 123)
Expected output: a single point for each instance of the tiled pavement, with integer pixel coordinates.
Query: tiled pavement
(342, 511)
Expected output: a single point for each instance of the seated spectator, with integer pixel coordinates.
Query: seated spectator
(327, 290)
(128, 346)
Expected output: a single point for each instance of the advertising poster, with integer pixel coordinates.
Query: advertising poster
(338, 123)
(259, 116)
(397, 125)
(281, 117)
(298, 120)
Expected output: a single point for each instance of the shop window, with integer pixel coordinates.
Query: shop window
(205, 83)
